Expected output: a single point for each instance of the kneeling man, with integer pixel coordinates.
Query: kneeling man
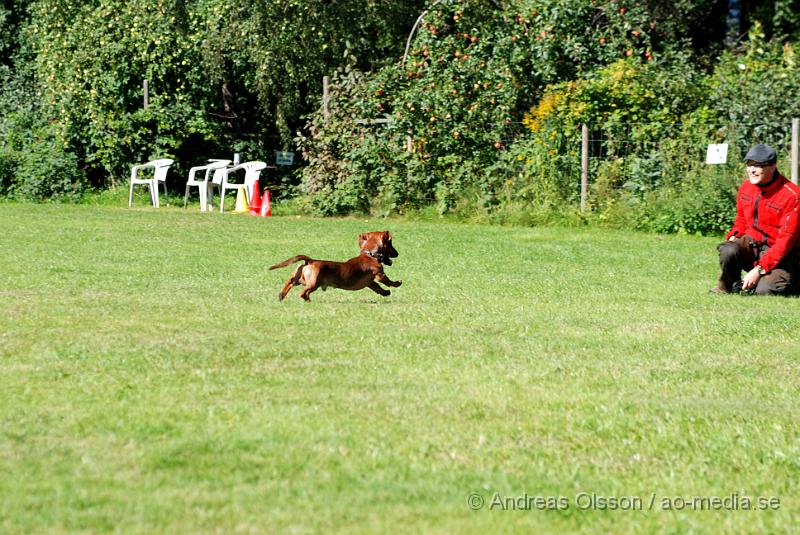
(764, 238)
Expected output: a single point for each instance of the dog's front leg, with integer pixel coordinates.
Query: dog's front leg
(385, 280)
(375, 287)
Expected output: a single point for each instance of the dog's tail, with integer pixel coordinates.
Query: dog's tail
(292, 260)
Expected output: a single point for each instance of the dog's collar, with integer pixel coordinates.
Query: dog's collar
(377, 256)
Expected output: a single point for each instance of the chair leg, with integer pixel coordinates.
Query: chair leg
(130, 197)
(153, 194)
(202, 191)
(186, 196)
(209, 198)
(222, 199)
(166, 194)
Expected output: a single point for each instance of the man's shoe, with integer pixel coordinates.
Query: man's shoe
(719, 289)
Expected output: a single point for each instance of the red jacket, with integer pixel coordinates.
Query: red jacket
(769, 215)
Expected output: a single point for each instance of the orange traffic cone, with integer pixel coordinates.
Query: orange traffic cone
(255, 201)
(266, 209)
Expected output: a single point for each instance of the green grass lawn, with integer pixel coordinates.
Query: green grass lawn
(152, 383)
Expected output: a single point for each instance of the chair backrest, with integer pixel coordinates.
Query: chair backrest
(252, 171)
(219, 173)
(162, 166)
(216, 166)
(254, 166)
(219, 164)
(163, 162)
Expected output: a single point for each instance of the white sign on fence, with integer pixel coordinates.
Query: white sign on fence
(717, 154)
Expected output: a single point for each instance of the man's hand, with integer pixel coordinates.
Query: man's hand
(751, 279)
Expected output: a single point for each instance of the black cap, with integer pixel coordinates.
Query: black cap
(763, 154)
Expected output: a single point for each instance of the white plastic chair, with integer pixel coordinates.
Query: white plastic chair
(251, 174)
(204, 185)
(160, 168)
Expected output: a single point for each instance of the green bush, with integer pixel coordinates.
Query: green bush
(35, 163)
(47, 171)
(332, 180)
(452, 105)
(39, 167)
(708, 207)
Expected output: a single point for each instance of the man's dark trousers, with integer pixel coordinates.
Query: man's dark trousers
(741, 255)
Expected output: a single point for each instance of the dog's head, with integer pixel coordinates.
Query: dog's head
(378, 245)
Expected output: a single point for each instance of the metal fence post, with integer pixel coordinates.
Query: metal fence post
(795, 151)
(584, 164)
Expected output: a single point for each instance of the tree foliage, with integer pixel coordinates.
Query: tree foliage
(482, 114)
(276, 53)
(475, 69)
(223, 76)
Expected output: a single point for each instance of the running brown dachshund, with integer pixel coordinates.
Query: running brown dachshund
(355, 274)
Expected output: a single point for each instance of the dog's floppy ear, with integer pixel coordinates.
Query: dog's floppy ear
(387, 235)
(362, 238)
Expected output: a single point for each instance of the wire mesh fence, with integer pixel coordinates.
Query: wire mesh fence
(613, 159)
(622, 140)
(645, 156)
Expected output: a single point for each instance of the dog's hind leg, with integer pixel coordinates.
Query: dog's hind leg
(293, 281)
(308, 275)
(286, 287)
(305, 293)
